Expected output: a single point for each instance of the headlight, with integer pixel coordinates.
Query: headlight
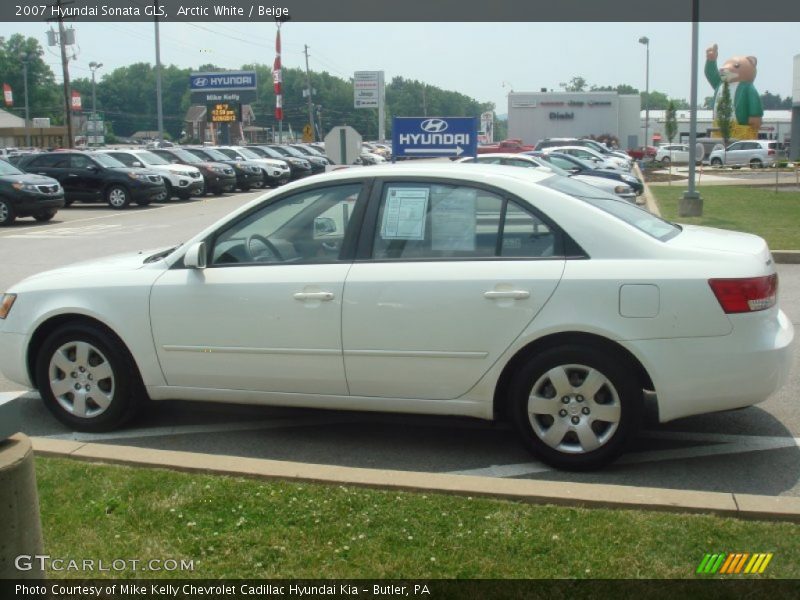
(6, 304)
(217, 169)
(138, 176)
(25, 187)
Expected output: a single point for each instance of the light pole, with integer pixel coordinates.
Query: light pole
(25, 57)
(646, 41)
(94, 66)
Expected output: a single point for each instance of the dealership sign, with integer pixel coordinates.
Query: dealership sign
(368, 89)
(223, 86)
(435, 136)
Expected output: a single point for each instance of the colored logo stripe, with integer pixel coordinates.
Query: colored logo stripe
(734, 563)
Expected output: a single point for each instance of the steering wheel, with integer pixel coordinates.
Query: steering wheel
(255, 257)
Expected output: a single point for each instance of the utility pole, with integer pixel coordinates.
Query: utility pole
(25, 57)
(158, 78)
(308, 88)
(62, 41)
(424, 102)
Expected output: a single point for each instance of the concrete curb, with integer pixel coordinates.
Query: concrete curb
(526, 490)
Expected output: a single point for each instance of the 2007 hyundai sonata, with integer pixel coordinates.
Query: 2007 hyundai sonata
(490, 292)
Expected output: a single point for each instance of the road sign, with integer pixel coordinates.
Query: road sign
(308, 133)
(434, 136)
(343, 145)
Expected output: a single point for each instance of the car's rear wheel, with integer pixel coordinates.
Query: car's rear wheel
(118, 197)
(576, 406)
(46, 215)
(716, 162)
(87, 379)
(7, 213)
(755, 163)
(665, 161)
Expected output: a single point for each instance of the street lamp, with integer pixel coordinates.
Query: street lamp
(646, 41)
(94, 66)
(25, 57)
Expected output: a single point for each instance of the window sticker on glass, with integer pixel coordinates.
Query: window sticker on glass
(404, 214)
(453, 220)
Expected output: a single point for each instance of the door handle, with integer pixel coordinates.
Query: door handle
(513, 294)
(325, 296)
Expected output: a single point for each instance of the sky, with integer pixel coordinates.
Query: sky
(482, 60)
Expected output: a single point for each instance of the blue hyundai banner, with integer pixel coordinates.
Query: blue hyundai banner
(222, 81)
(434, 136)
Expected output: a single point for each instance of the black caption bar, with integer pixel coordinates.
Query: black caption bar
(435, 589)
(400, 10)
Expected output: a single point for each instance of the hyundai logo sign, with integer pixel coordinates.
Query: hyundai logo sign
(201, 81)
(223, 81)
(433, 125)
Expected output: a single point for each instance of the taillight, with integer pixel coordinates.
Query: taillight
(746, 295)
(771, 152)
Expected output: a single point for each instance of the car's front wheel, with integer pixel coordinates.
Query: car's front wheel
(716, 162)
(46, 215)
(576, 406)
(665, 161)
(87, 379)
(118, 197)
(755, 163)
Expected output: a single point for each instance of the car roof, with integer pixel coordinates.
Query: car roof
(524, 155)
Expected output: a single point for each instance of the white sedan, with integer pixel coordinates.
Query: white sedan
(483, 291)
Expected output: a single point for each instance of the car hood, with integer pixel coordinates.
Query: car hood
(29, 178)
(721, 240)
(604, 183)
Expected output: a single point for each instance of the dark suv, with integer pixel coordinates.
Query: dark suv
(96, 177)
(218, 177)
(25, 195)
(248, 174)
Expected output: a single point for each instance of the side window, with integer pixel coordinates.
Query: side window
(53, 161)
(489, 160)
(736, 146)
(79, 161)
(308, 227)
(436, 221)
(517, 162)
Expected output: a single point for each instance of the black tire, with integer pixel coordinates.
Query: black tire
(184, 195)
(68, 202)
(716, 162)
(665, 161)
(244, 188)
(122, 390)
(619, 397)
(755, 163)
(7, 213)
(45, 216)
(118, 196)
(143, 202)
(169, 188)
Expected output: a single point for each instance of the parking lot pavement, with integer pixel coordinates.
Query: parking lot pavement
(752, 451)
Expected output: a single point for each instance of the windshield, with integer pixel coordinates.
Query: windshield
(231, 154)
(186, 156)
(287, 151)
(7, 169)
(271, 152)
(247, 153)
(212, 153)
(597, 146)
(549, 165)
(107, 161)
(149, 158)
(622, 209)
(573, 161)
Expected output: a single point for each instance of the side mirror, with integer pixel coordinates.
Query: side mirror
(195, 257)
(324, 226)
(93, 168)
(136, 163)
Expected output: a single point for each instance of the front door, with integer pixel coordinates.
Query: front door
(450, 277)
(265, 315)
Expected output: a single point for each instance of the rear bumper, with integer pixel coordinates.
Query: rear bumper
(694, 376)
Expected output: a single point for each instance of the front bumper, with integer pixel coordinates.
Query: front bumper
(694, 376)
(31, 204)
(13, 355)
(220, 183)
(148, 192)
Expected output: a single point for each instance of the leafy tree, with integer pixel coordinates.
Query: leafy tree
(775, 102)
(576, 84)
(622, 88)
(725, 113)
(45, 96)
(671, 121)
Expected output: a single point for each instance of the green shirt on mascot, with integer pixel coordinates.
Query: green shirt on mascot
(739, 72)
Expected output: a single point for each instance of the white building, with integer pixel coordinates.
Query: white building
(776, 125)
(795, 151)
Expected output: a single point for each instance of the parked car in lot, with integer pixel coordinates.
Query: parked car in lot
(310, 150)
(603, 161)
(217, 177)
(753, 153)
(672, 154)
(643, 153)
(577, 166)
(248, 174)
(182, 181)
(26, 195)
(571, 303)
(298, 167)
(274, 172)
(96, 177)
(532, 162)
(591, 144)
(318, 164)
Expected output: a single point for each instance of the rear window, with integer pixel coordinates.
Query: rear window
(622, 209)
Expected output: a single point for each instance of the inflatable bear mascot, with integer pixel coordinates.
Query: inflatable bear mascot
(739, 72)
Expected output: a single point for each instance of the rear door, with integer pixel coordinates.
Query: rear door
(448, 277)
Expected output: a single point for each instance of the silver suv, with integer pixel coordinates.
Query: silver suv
(755, 153)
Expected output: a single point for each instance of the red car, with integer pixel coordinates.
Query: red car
(643, 153)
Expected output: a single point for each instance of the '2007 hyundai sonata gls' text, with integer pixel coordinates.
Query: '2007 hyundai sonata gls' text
(490, 292)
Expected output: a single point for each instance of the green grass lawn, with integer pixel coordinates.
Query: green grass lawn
(234, 528)
(773, 216)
